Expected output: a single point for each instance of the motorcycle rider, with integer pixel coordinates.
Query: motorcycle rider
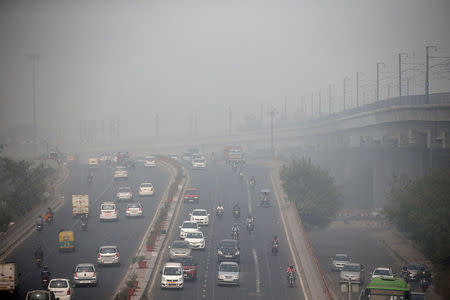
(220, 209)
(252, 181)
(48, 215)
(40, 222)
(291, 270)
(90, 176)
(39, 253)
(61, 229)
(45, 276)
(275, 240)
(250, 220)
(235, 229)
(84, 220)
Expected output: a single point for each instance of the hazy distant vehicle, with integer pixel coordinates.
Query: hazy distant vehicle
(179, 248)
(93, 162)
(108, 255)
(382, 273)
(196, 240)
(228, 273)
(124, 193)
(200, 216)
(150, 161)
(352, 272)
(338, 261)
(146, 189)
(191, 195)
(188, 226)
(174, 157)
(134, 210)
(120, 173)
(108, 211)
(199, 164)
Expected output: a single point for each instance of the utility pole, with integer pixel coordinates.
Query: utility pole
(344, 92)
(427, 73)
(378, 80)
(329, 99)
(357, 89)
(273, 112)
(400, 74)
(407, 88)
(34, 59)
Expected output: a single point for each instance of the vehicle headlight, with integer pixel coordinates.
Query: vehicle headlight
(220, 252)
(237, 253)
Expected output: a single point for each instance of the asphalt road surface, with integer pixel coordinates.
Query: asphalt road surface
(126, 233)
(262, 274)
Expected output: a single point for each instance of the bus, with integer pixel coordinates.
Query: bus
(386, 289)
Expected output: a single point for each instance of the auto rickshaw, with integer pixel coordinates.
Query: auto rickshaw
(66, 241)
(265, 198)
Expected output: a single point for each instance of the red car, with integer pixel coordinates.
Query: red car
(191, 195)
(189, 267)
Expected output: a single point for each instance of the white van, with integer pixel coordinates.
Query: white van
(172, 276)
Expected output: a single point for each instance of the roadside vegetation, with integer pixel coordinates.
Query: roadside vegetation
(313, 191)
(421, 208)
(22, 187)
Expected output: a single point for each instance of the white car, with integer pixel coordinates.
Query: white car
(200, 216)
(108, 211)
(149, 162)
(108, 255)
(134, 210)
(146, 189)
(85, 274)
(228, 273)
(172, 276)
(124, 193)
(196, 240)
(198, 163)
(62, 288)
(120, 173)
(338, 261)
(187, 226)
(385, 273)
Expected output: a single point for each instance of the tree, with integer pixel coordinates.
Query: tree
(421, 208)
(312, 189)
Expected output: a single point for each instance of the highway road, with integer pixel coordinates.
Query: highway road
(126, 233)
(262, 274)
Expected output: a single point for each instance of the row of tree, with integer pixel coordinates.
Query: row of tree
(313, 190)
(421, 208)
(22, 187)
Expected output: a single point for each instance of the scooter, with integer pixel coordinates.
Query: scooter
(39, 226)
(291, 279)
(219, 213)
(275, 248)
(83, 225)
(235, 235)
(236, 213)
(45, 280)
(250, 227)
(49, 219)
(38, 261)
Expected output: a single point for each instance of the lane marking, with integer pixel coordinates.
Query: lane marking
(258, 281)
(291, 248)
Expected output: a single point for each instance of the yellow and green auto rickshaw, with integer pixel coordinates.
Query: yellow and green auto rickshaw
(66, 241)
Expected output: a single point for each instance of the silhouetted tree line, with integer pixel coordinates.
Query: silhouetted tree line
(21, 188)
(312, 189)
(421, 208)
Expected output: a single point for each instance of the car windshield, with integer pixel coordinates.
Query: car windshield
(107, 250)
(108, 206)
(195, 235)
(133, 205)
(121, 169)
(150, 158)
(228, 244)
(41, 295)
(124, 190)
(180, 244)
(351, 268)
(190, 225)
(341, 258)
(199, 213)
(191, 192)
(199, 160)
(382, 272)
(146, 185)
(413, 267)
(229, 268)
(185, 261)
(85, 269)
(58, 284)
(172, 271)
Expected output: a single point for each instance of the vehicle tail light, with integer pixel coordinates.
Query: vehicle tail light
(68, 292)
(140, 209)
(117, 255)
(76, 274)
(98, 255)
(95, 274)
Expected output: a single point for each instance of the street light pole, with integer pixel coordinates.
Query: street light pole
(378, 80)
(34, 59)
(400, 74)
(427, 71)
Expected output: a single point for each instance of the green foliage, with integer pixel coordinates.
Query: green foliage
(312, 189)
(22, 187)
(421, 207)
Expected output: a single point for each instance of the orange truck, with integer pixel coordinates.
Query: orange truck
(233, 154)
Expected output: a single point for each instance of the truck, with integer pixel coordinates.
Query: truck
(233, 154)
(8, 278)
(80, 205)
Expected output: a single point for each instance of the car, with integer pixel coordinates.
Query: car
(228, 273)
(199, 163)
(62, 288)
(187, 226)
(124, 193)
(385, 273)
(414, 269)
(172, 276)
(108, 255)
(417, 296)
(85, 274)
(195, 239)
(191, 195)
(108, 211)
(134, 210)
(120, 173)
(179, 248)
(40, 294)
(353, 272)
(189, 267)
(338, 261)
(173, 156)
(146, 189)
(200, 216)
(228, 250)
(149, 161)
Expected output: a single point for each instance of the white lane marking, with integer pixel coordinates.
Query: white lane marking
(258, 281)
(291, 249)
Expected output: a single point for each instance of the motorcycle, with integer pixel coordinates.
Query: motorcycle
(405, 275)
(236, 213)
(235, 235)
(250, 227)
(252, 184)
(83, 225)
(219, 213)
(38, 261)
(90, 178)
(49, 219)
(275, 248)
(291, 279)
(424, 283)
(39, 226)
(45, 280)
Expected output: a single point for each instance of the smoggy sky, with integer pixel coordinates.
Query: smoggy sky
(132, 59)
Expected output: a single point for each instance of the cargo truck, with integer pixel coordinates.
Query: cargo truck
(80, 205)
(8, 278)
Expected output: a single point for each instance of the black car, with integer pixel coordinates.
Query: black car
(228, 250)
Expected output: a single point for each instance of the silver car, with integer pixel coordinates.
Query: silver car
(228, 273)
(85, 274)
(352, 272)
(338, 261)
(179, 248)
(124, 194)
(108, 255)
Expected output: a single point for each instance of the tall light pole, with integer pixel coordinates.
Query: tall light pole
(320, 102)
(344, 91)
(378, 80)
(427, 71)
(400, 73)
(34, 59)
(357, 89)
(329, 99)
